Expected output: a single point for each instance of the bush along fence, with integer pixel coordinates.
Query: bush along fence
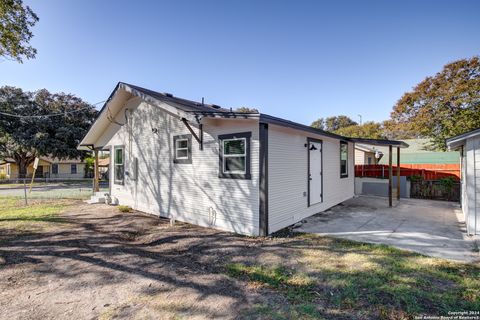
(444, 189)
(427, 181)
(425, 171)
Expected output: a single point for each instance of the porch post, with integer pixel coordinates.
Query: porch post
(398, 173)
(96, 173)
(390, 172)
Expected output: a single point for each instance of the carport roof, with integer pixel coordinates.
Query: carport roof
(380, 142)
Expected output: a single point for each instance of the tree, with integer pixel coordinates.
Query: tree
(440, 106)
(44, 124)
(370, 129)
(16, 21)
(318, 124)
(246, 110)
(333, 123)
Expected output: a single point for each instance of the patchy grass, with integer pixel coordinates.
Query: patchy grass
(371, 281)
(15, 216)
(124, 208)
(297, 287)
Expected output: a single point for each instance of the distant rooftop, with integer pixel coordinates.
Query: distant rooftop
(420, 151)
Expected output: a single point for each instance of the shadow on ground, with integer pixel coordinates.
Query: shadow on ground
(102, 263)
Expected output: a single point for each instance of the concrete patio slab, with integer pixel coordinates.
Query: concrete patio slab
(434, 228)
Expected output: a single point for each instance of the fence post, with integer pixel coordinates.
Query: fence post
(25, 191)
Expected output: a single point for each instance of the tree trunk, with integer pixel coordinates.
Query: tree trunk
(22, 169)
(23, 161)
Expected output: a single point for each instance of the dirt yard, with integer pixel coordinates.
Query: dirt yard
(95, 262)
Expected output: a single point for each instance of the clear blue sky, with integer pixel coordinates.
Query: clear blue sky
(299, 60)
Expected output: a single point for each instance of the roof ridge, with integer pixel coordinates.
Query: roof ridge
(175, 99)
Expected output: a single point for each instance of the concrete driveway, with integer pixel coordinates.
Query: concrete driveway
(434, 228)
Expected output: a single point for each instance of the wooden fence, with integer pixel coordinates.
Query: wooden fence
(426, 171)
(436, 190)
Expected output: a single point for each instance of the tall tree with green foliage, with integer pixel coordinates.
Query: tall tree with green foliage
(440, 106)
(16, 22)
(318, 124)
(246, 110)
(41, 124)
(369, 129)
(333, 123)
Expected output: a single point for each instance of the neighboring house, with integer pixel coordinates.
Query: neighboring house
(420, 151)
(367, 154)
(52, 168)
(251, 173)
(103, 166)
(469, 146)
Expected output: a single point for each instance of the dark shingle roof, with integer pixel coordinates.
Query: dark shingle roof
(180, 103)
(210, 110)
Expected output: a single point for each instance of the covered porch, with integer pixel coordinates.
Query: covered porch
(391, 144)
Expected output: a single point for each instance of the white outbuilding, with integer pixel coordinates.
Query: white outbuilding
(469, 146)
(248, 173)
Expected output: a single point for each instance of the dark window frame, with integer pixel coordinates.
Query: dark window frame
(115, 180)
(343, 175)
(72, 171)
(241, 135)
(187, 137)
(55, 168)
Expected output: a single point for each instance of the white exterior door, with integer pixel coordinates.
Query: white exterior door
(315, 192)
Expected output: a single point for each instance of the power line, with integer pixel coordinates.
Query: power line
(50, 115)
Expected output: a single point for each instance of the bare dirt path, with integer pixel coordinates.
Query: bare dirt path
(103, 263)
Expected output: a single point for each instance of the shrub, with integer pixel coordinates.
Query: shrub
(447, 183)
(3, 176)
(124, 209)
(415, 178)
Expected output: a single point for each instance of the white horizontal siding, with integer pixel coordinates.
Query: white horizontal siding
(476, 147)
(472, 174)
(288, 170)
(189, 192)
(359, 157)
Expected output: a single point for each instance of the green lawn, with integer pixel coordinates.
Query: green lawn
(327, 277)
(38, 215)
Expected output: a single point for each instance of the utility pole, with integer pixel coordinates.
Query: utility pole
(360, 116)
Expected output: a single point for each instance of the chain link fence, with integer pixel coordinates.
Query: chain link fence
(51, 189)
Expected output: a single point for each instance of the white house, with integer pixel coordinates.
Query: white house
(469, 146)
(252, 174)
(365, 154)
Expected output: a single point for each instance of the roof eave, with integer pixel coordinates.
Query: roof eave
(381, 142)
(457, 141)
(294, 125)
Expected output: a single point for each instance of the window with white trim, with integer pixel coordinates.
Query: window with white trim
(118, 165)
(182, 148)
(235, 155)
